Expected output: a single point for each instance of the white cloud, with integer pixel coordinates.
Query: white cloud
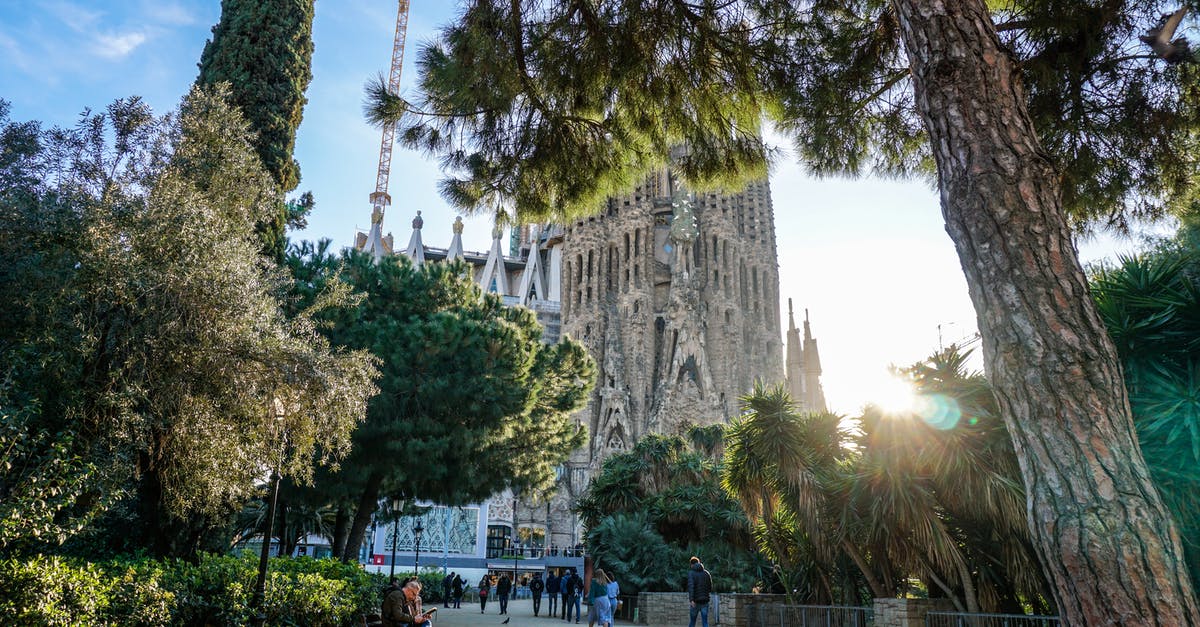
(76, 17)
(118, 45)
(171, 14)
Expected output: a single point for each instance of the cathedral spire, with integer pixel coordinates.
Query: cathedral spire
(531, 277)
(814, 394)
(495, 277)
(456, 246)
(416, 249)
(794, 366)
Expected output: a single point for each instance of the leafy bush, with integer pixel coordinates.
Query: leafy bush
(216, 591)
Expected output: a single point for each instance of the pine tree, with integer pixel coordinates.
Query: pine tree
(263, 49)
(551, 106)
(471, 401)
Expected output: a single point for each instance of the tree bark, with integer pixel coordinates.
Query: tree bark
(1106, 542)
(368, 501)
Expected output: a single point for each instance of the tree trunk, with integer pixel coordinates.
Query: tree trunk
(878, 589)
(1105, 540)
(341, 530)
(367, 502)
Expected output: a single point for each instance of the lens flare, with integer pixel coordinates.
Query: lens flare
(938, 411)
(894, 396)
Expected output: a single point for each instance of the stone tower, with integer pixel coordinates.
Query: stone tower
(676, 295)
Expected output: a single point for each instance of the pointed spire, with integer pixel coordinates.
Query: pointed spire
(494, 277)
(794, 362)
(531, 277)
(456, 246)
(813, 391)
(416, 249)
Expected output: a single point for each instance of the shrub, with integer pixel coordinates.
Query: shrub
(216, 591)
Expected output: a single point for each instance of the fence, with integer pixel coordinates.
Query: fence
(627, 609)
(958, 619)
(813, 616)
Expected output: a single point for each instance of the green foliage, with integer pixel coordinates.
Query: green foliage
(551, 107)
(471, 402)
(263, 49)
(217, 590)
(633, 552)
(664, 498)
(1151, 306)
(934, 495)
(146, 362)
(53, 591)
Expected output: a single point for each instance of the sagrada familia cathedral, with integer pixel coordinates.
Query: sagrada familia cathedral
(676, 295)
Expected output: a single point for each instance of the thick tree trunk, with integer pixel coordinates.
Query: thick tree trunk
(1106, 542)
(367, 502)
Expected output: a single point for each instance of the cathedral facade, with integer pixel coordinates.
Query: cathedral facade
(676, 296)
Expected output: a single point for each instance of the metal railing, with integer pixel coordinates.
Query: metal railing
(814, 616)
(959, 619)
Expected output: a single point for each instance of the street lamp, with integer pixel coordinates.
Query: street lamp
(260, 585)
(397, 510)
(417, 530)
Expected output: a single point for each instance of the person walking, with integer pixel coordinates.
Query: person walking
(600, 611)
(485, 587)
(503, 589)
(572, 595)
(535, 588)
(614, 591)
(699, 589)
(456, 588)
(552, 591)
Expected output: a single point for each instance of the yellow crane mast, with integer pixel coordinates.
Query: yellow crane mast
(380, 199)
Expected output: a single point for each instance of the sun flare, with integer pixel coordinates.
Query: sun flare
(894, 395)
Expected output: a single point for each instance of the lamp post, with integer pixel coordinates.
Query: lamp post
(260, 584)
(417, 530)
(397, 510)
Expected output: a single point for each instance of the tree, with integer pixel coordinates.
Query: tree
(665, 494)
(471, 401)
(791, 473)
(263, 49)
(549, 107)
(147, 357)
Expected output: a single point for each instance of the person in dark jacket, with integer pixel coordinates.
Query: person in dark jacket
(699, 589)
(456, 588)
(502, 590)
(535, 588)
(552, 591)
(572, 593)
(447, 582)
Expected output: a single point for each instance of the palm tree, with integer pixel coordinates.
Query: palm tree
(789, 469)
(1151, 306)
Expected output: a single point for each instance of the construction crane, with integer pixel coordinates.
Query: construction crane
(374, 243)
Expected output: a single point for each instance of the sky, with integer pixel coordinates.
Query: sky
(868, 258)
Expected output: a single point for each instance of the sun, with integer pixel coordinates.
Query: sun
(894, 396)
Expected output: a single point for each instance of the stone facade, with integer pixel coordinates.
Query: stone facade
(676, 296)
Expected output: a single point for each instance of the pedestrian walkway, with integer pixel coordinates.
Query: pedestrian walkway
(520, 613)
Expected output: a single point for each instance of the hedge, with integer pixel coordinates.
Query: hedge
(55, 591)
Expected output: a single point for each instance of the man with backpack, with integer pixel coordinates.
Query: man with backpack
(572, 591)
(699, 589)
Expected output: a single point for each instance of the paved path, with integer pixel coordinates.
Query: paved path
(520, 612)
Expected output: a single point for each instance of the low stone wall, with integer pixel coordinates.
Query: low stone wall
(728, 609)
(907, 612)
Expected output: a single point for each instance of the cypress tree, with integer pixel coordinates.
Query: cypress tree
(263, 49)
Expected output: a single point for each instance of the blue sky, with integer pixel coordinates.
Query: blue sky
(868, 258)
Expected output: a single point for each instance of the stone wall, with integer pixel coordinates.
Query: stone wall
(907, 612)
(729, 609)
